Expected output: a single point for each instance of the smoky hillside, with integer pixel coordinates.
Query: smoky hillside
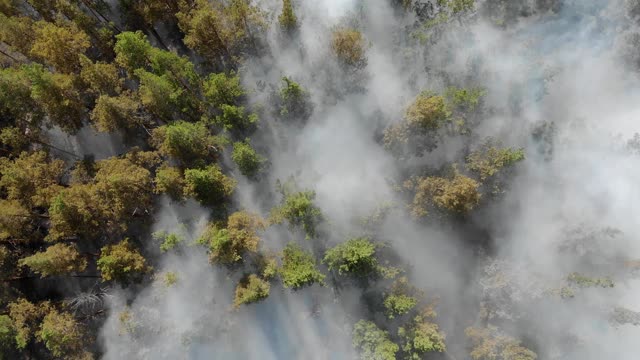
(329, 179)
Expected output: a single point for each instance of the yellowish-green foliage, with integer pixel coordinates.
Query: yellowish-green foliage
(247, 22)
(17, 32)
(177, 69)
(206, 30)
(121, 262)
(287, 18)
(26, 317)
(222, 88)
(372, 342)
(490, 159)
(61, 334)
(426, 114)
(57, 259)
(58, 95)
(217, 30)
(298, 209)
(145, 159)
(236, 118)
(169, 181)
(464, 100)
(269, 267)
(228, 245)
(357, 256)
(299, 268)
(209, 185)
(32, 178)
(154, 11)
(112, 113)
(401, 299)
(16, 103)
(350, 46)
(457, 6)
(15, 221)
(458, 194)
(294, 101)
(490, 344)
(76, 210)
(186, 142)
(421, 336)
(249, 162)
(166, 279)
(123, 185)
(399, 304)
(159, 95)
(132, 50)
(250, 290)
(168, 240)
(59, 46)
(102, 78)
(13, 139)
(585, 282)
(7, 336)
(119, 189)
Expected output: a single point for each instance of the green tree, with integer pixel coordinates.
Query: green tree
(401, 298)
(26, 316)
(298, 209)
(206, 30)
(356, 256)
(16, 221)
(372, 342)
(58, 95)
(186, 142)
(287, 19)
(102, 78)
(17, 106)
(228, 245)
(31, 178)
(168, 240)
(169, 181)
(489, 159)
(17, 32)
(119, 189)
(350, 46)
(422, 118)
(299, 268)
(251, 289)
(7, 336)
(59, 46)
(61, 334)
(491, 344)
(249, 162)
(121, 262)
(159, 95)
(112, 113)
(421, 336)
(58, 259)
(208, 185)
(222, 88)
(294, 102)
(222, 31)
(235, 118)
(132, 50)
(458, 194)
(123, 185)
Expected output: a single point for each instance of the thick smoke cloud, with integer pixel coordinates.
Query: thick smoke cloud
(564, 67)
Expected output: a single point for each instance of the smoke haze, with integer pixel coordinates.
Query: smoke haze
(567, 67)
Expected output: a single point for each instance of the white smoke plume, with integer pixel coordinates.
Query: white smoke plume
(564, 67)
